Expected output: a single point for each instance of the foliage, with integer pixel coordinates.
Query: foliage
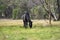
(15, 13)
(34, 6)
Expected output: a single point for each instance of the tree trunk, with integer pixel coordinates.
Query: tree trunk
(50, 18)
(58, 4)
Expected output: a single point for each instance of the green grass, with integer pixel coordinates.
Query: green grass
(36, 33)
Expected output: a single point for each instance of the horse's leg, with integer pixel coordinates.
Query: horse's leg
(30, 24)
(25, 24)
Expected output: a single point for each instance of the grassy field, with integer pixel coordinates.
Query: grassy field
(14, 30)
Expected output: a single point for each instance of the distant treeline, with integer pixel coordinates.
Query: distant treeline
(37, 8)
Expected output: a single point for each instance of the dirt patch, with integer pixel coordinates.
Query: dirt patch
(9, 22)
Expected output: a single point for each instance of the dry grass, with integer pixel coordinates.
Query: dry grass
(10, 22)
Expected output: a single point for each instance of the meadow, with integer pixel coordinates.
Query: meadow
(14, 30)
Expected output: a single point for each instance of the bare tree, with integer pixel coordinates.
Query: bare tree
(58, 4)
(46, 6)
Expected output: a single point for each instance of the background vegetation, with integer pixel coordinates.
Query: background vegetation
(37, 8)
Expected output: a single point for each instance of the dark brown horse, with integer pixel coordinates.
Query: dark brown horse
(26, 20)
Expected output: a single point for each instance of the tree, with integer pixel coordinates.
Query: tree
(46, 6)
(58, 4)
